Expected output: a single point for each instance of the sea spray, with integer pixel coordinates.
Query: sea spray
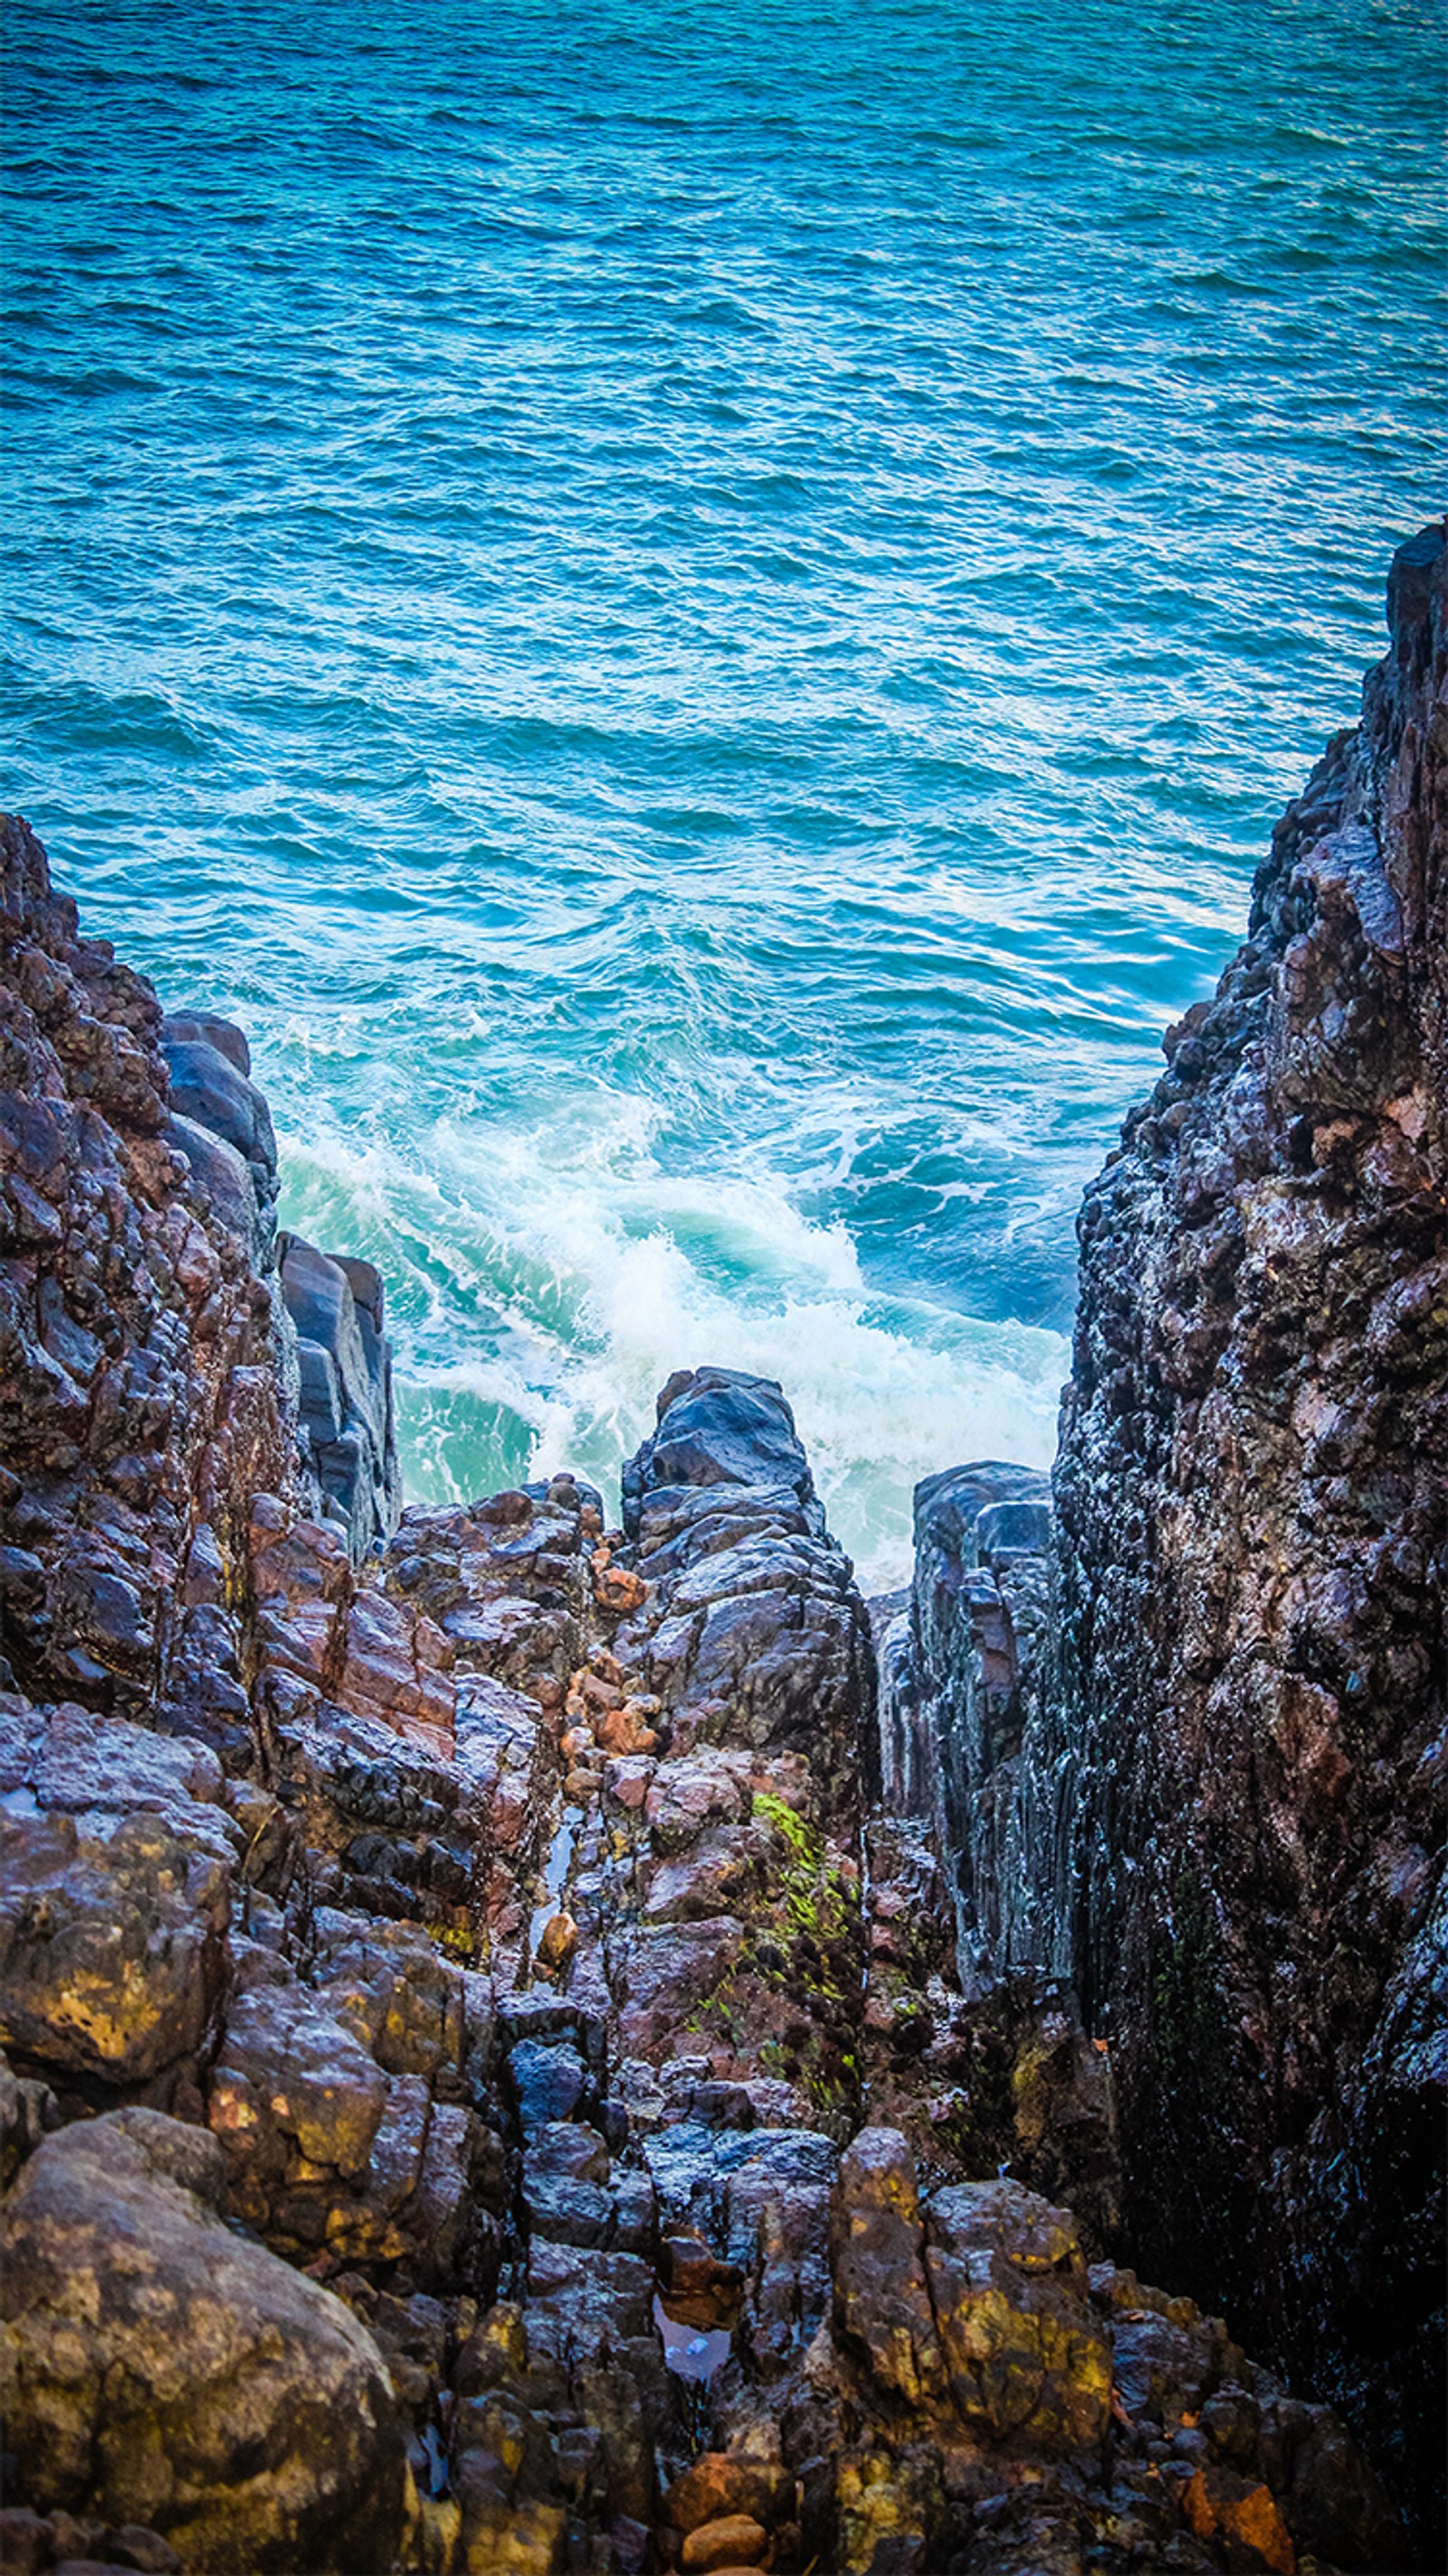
(543, 1285)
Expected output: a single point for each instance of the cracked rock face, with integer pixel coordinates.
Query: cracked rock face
(505, 2079)
(1252, 1499)
(1182, 1745)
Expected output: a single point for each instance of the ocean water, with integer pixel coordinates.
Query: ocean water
(697, 615)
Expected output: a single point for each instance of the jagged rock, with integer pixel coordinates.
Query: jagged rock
(697, 2288)
(889, 2506)
(33, 2543)
(548, 2083)
(1214, 1804)
(1008, 2286)
(1259, 1395)
(565, 2177)
(159, 2369)
(223, 1186)
(336, 1306)
(882, 2301)
(979, 2300)
(115, 1894)
(961, 1685)
(553, 1938)
(140, 1385)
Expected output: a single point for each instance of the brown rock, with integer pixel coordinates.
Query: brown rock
(627, 1781)
(698, 2289)
(1008, 2285)
(1242, 2514)
(160, 2369)
(882, 2303)
(24, 2541)
(736, 2540)
(557, 1942)
(707, 1787)
(619, 1592)
(622, 1730)
(290, 2071)
(111, 1939)
(719, 2484)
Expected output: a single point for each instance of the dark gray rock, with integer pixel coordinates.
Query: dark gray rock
(960, 1697)
(345, 1387)
(209, 1088)
(548, 2083)
(717, 1427)
(1253, 1524)
(1191, 1758)
(223, 1187)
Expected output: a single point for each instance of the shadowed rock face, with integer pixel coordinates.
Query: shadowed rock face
(1187, 1751)
(344, 1387)
(1252, 1502)
(141, 1376)
(149, 1377)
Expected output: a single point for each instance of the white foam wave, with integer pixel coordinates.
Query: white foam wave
(545, 1278)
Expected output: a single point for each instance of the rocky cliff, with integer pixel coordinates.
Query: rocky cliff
(509, 2072)
(1188, 1752)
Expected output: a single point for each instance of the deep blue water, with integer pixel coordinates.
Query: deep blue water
(698, 615)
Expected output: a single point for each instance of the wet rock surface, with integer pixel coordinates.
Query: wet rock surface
(161, 2370)
(511, 2071)
(1252, 1501)
(1183, 1750)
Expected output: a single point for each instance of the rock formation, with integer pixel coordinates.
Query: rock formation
(1190, 1754)
(509, 2072)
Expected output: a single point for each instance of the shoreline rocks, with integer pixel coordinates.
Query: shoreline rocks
(539, 2048)
(1185, 1748)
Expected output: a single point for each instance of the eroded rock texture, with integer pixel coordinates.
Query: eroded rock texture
(496, 2084)
(1189, 1754)
(1252, 1496)
(171, 2371)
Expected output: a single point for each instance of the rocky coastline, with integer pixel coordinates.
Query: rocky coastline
(542, 2041)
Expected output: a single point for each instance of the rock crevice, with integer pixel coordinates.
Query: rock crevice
(640, 2111)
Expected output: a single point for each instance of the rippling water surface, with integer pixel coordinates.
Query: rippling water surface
(697, 614)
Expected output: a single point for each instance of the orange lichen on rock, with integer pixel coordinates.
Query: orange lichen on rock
(1221, 2506)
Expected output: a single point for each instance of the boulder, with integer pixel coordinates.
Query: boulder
(736, 2540)
(1009, 2287)
(720, 2484)
(882, 2299)
(159, 2369)
(112, 1934)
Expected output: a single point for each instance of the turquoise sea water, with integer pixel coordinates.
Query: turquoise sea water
(697, 615)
